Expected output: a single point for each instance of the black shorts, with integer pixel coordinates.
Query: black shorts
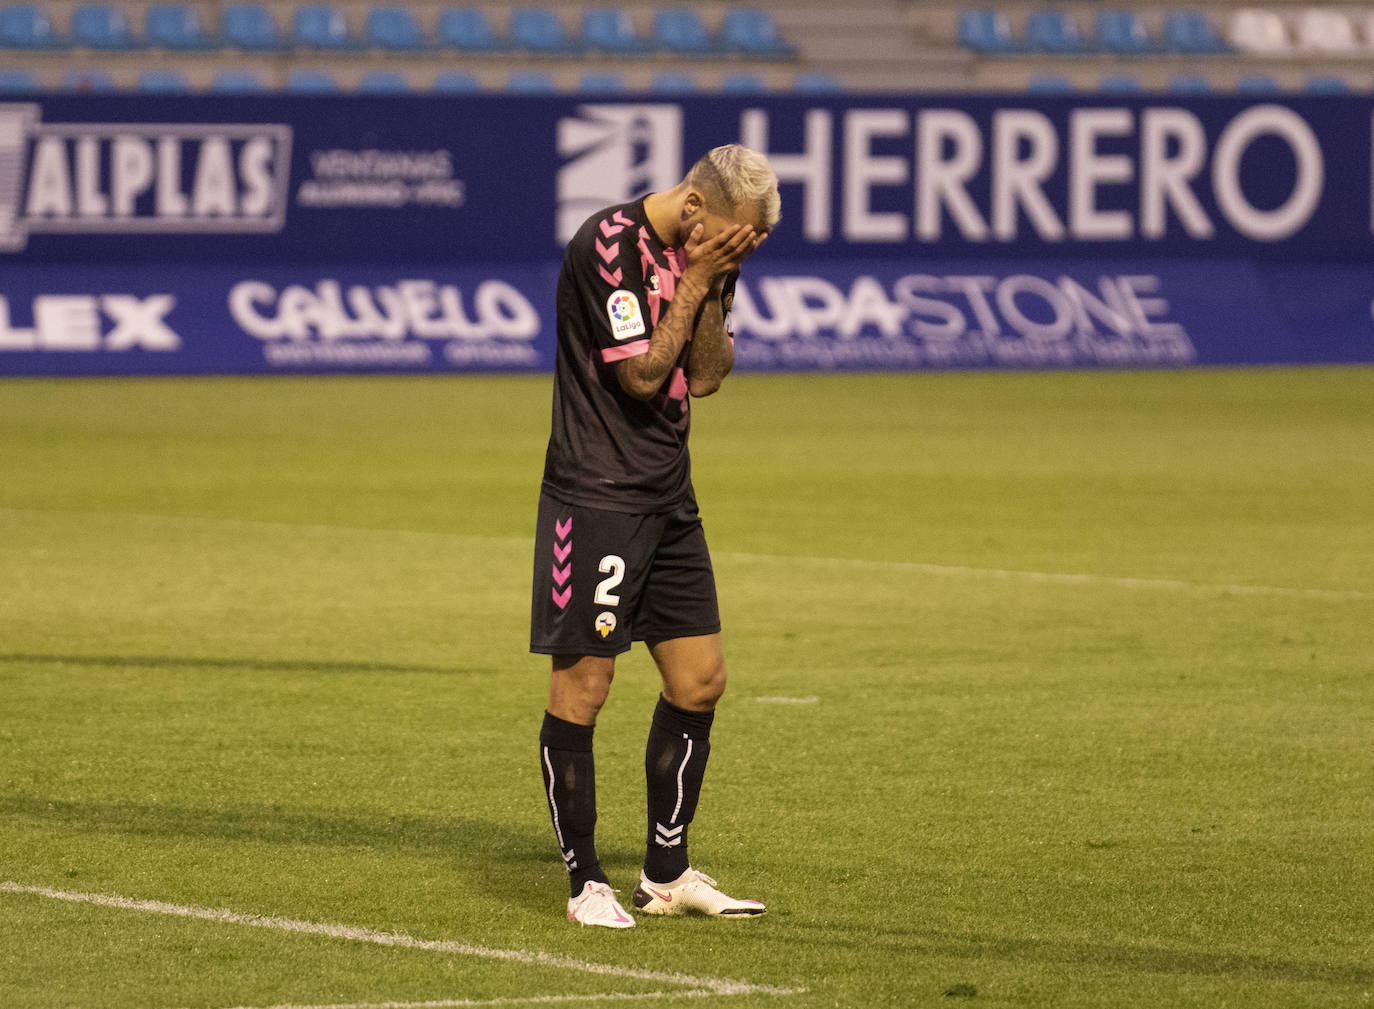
(603, 579)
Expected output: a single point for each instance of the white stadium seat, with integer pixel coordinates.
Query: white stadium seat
(1260, 32)
(1321, 30)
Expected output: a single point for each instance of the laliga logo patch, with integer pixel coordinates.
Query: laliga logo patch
(605, 623)
(622, 308)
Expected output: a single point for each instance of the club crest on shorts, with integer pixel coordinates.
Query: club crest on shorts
(605, 624)
(622, 309)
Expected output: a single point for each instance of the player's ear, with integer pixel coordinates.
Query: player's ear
(692, 204)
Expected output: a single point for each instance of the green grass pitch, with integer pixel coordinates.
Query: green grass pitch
(1092, 658)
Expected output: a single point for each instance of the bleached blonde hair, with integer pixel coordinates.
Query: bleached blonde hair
(734, 176)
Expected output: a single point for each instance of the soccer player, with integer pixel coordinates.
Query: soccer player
(620, 555)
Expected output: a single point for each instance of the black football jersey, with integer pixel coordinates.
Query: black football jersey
(607, 449)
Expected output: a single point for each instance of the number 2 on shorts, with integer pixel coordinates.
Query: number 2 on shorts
(615, 567)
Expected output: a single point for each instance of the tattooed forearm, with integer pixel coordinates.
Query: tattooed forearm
(644, 375)
(712, 354)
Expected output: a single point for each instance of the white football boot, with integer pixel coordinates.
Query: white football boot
(596, 905)
(692, 891)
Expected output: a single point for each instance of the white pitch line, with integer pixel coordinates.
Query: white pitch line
(917, 567)
(354, 933)
(788, 700)
(464, 1003)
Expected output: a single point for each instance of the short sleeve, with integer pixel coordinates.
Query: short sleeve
(611, 278)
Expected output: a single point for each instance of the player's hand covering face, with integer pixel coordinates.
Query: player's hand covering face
(718, 246)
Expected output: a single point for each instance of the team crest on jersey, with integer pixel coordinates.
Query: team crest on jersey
(622, 308)
(653, 283)
(605, 624)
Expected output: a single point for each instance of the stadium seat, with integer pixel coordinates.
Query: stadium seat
(1190, 84)
(677, 82)
(529, 82)
(743, 83)
(320, 26)
(395, 29)
(311, 82)
(250, 27)
(1326, 84)
(1053, 31)
(468, 30)
(163, 81)
(1261, 32)
(453, 82)
(17, 80)
(812, 83)
(1120, 31)
(601, 82)
(88, 80)
(1322, 30)
(175, 26)
(986, 31)
(754, 33)
(237, 82)
(1191, 32)
(610, 30)
(1257, 84)
(26, 26)
(1050, 84)
(539, 30)
(681, 31)
(101, 26)
(383, 82)
(1120, 84)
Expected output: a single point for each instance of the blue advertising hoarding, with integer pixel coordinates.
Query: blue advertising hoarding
(195, 234)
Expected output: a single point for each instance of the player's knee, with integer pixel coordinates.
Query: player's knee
(579, 688)
(707, 687)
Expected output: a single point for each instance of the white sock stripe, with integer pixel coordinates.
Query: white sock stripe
(558, 831)
(354, 933)
(681, 767)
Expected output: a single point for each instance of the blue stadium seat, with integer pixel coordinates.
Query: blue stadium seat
(1122, 32)
(529, 82)
(812, 83)
(1120, 84)
(681, 31)
(383, 82)
(17, 80)
(311, 82)
(1190, 84)
(1257, 84)
(469, 30)
(88, 80)
(175, 26)
(1191, 32)
(754, 33)
(611, 30)
(101, 26)
(236, 81)
(743, 83)
(26, 26)
(677, 82)
(986, 31)
(1053, 31)
(601, 82)
(395, 29)
(540, 31)
(163, 81)
(1325, 84)
(1050, 84)
(453, 82)
(320, 26)
(250, 27)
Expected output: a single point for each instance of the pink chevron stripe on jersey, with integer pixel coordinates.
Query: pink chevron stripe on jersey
(607, 252)
(561, 551)
(611, 278)
(677, 387)
(561, 598)
(632, 349)
(620, 218)
(611, 230)
(561, 575)
(562, 528)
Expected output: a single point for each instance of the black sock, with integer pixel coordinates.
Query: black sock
(565, 758)
(674, 766)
